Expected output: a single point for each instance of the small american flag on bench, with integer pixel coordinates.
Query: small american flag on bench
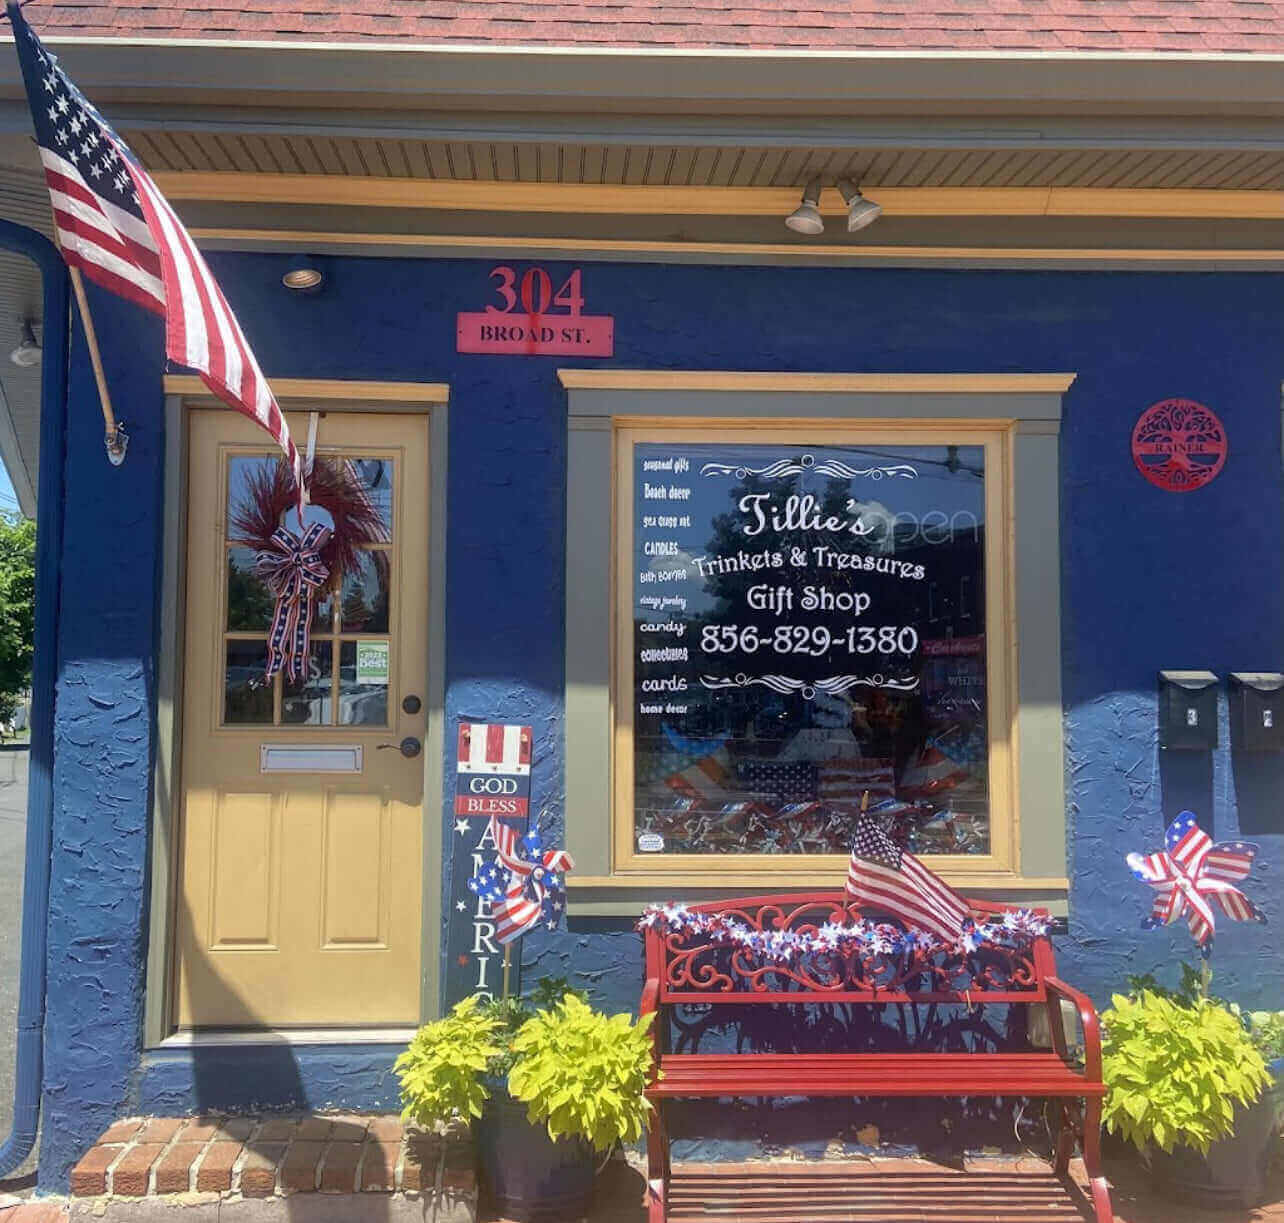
(886, 878)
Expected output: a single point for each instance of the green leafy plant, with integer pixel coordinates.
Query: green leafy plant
(1175, 1070)
(1191, 987)
(1267, 1031)
(510, 1013)
(441, 1069)
(582, 1073)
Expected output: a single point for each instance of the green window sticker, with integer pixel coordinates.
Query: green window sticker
(372, 662)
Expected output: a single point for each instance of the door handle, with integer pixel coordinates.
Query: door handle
(409, 747)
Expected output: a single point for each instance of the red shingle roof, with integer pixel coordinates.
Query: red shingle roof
(1125, 26)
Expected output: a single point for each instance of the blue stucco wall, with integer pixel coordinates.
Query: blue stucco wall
(1150, 580)
(103, 732)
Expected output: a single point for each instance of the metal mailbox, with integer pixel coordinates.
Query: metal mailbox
(1257, 710)
(1188, 710)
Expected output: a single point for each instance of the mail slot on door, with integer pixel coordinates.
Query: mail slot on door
(1257, 710)
(1188, 710)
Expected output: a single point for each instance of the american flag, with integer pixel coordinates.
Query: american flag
(787, 782)
(844, 782)
(886, 878)
(707, 779)
(113, 224)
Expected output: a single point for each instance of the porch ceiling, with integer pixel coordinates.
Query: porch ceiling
(667, 165)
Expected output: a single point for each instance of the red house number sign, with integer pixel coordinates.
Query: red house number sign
(534, 321)
(1179, 445)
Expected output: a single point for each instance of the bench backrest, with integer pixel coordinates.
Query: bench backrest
(694, 970)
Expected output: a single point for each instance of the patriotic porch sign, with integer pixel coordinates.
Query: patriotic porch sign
(486, 827)
(885, 877)
(493, 770)
(113, 224)
(1191, 876)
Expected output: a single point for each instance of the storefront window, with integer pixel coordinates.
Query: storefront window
(807, 625)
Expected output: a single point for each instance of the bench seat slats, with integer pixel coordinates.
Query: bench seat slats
(883, 1074)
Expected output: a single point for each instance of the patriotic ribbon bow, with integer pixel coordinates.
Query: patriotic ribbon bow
(293, 571)
(524, 883)
(1191, 875)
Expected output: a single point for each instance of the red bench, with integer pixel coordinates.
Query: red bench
(681, 969)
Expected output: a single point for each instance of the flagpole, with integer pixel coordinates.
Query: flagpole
(116, 440)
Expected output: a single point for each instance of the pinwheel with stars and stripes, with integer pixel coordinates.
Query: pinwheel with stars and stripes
(524, 883)
(1191, 875)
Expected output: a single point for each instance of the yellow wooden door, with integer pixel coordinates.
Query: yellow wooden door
(299, 900)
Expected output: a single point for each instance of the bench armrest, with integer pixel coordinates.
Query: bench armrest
(1087, 1017)
(649, 1005)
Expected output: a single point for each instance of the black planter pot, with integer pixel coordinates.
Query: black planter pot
(529, 1177)
(1233, 1173)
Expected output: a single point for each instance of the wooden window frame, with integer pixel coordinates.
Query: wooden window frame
(1028, 405)
(995, 437)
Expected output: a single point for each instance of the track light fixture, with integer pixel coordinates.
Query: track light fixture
(806, 218)
(28, 352)
(860, 211)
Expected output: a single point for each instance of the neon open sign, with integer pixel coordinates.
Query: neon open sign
(531, 319)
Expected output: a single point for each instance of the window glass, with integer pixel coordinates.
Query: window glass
(307, 701)
(808, 627)
(362, 702)
(247, 693)
(352, 496)
(365, 593)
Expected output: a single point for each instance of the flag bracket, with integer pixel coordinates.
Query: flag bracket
(117, 443)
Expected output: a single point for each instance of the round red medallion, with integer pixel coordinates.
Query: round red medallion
(1179, 445)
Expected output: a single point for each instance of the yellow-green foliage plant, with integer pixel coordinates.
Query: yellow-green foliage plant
(441, 1069)
(582, 1073)
(1175, 1071)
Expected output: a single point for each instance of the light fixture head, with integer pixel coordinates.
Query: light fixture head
(806, 218)
(860, 211)
(29, 351)
(304, 275)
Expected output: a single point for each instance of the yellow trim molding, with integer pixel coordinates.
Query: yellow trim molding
(447, 244)
(787, 879)
(191, 387)
(738, 380)
(610, 199)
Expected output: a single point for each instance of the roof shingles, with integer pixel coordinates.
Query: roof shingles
(1196, 26)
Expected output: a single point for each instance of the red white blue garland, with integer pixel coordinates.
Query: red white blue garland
(1015, 929)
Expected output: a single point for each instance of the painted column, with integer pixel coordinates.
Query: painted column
(103, 740)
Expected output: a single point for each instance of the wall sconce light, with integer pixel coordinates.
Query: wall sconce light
(806, 218)
(860, 211)
(304, 275)
(29, 351)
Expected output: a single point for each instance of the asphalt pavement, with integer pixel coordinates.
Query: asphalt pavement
(13, 829)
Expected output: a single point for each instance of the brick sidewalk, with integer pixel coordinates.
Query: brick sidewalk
(618, 1198)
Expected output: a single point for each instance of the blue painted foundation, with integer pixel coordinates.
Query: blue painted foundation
(1150, 580)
